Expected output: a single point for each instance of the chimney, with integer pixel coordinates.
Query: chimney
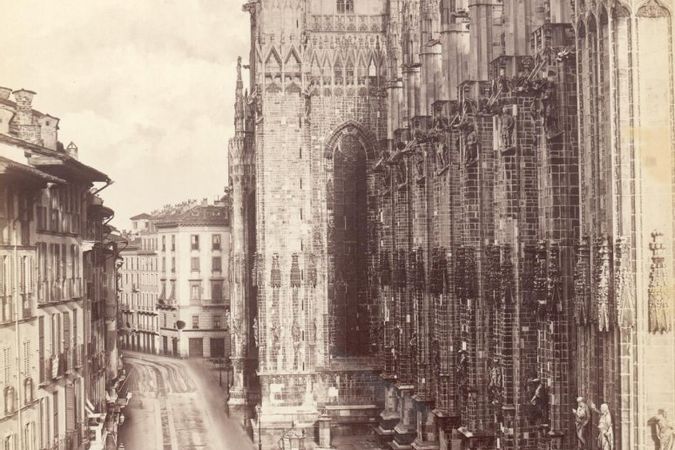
(26, 127)
(205, 202)
(71, 150)
(4, 93)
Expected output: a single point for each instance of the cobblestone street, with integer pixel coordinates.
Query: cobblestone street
(176, 405)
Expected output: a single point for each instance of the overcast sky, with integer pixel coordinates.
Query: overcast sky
(145, 88)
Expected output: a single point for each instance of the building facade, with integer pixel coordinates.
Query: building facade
(139, 276)
(193, 304)
(454, 222)
(51, 220)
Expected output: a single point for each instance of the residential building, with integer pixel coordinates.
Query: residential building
(19, 376)
(139, 281)
(453, 218)
(193, 241)
(49, 232)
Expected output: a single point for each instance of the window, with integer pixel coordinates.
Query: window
(217, 291)
(194, 264)
(194, 242)
(163, 243)
(173, 242)
(216, 264)
(195, 291)
(163, 265)
(195, 322)
(173, 265)
(345, 6)
(215, 242)
(216, 322)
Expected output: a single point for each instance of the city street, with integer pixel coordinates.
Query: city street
(176, 405)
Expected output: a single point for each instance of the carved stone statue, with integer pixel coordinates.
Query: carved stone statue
(401, 172)
(540, 401)
(605, 429)
(508, 124)
(276, 345)
(255, 331)
(664, 432)
(582, 415)
(307, 94)
(419, 166)
(496, 382)
(471, 146)
(441, 156)
(462, 370)
(296, 334)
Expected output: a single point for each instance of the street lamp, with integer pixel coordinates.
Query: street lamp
(258, 409)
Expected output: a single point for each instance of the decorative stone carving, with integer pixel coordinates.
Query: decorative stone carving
(441, 156)
(582, 288)
(275, 277)
(663, 431)
(471, 145)
(540, 287)
(624, 286)
(295, 275)
(255, 331)
(602, 284)
(539, 400)
(311, 271)
(276, 344)
(659, 304)
(401, 170)
(605, 428)
(508, 125)
(582, 416)
(549, 109)
(419, 166)
(496, 382)
(307, 94)
(296, 335)
(462, 372)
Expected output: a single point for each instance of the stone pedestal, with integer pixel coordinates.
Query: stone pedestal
(405, 431)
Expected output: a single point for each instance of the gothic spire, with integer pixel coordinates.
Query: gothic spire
(239, 101)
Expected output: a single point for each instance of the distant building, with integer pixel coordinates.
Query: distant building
(139, 284)
(193, 250)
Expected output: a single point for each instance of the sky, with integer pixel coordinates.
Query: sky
(144, 88)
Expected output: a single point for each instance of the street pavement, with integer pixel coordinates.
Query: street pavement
(176, 405)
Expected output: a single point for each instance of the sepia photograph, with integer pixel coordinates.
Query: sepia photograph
(337, 225)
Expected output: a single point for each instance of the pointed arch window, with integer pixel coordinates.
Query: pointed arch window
(349, 6)
(341, 6)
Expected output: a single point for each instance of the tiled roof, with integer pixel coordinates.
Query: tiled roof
(6, 163)
(193, 215)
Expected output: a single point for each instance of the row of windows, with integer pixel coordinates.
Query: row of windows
(217, 322)
(216, 291)
(60, 260)
(194, 242)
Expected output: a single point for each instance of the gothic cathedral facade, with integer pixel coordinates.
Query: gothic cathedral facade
(453, 222)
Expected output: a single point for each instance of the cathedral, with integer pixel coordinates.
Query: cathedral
(453, 223)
